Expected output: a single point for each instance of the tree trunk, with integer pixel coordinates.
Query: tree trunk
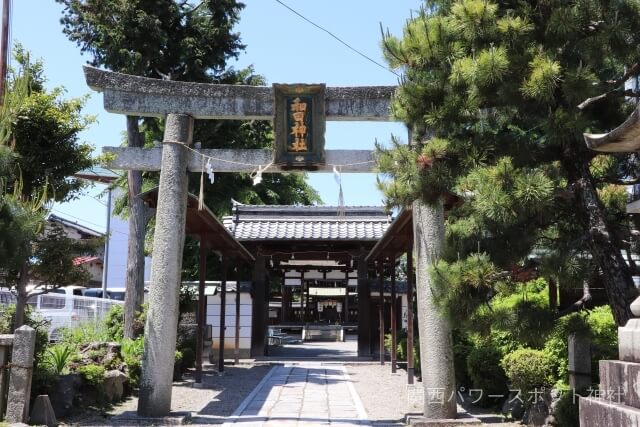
(22, 296)
(137, 224)
(436, 341)
(602, 242)
(553, 294)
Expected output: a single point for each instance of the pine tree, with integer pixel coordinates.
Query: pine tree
(496, 90)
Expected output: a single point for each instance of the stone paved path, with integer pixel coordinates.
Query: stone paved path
(305, 394)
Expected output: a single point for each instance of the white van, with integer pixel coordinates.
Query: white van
(67, 307)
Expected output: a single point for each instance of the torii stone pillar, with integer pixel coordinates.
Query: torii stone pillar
(436, 342)
(166, 268)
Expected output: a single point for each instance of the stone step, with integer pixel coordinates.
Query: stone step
(620, 382)
(599, 413)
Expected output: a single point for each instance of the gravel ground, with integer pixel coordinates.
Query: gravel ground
(384, 396)
(218, 399)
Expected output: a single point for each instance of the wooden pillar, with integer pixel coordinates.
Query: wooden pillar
(306, 302)
(410, 366)
(260, 309)
(394, 342)
(345, 306)
(201, 319)
(364, 309)
(381, 308)
(223, 311)
(236, 347)
(283, 303)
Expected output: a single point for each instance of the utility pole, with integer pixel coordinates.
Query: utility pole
(5, 47)
(105, 270)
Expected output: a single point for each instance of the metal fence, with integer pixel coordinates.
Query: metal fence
(65, 310)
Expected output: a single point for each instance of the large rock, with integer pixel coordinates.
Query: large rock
(64, 393)
(113, 385)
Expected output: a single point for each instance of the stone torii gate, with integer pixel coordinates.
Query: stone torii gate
(181, 103)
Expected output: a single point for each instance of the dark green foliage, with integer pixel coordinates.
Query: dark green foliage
(528, 370)
(188, 358)
(492, 93)
(486, 373)
(462, 347)
(114, 322)
(160, 39)
(597, 325)
(32, 319)
(43, 375)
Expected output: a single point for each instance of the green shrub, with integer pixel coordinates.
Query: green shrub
(58, 356)
(462, 347)
(132, 352)
(114, 323)
(557, 343)
(528, 369)
(598, 325)
(93, 374)
(566, 410)
(486, 373)
(604, 337)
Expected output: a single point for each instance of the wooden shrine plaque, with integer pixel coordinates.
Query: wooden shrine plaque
(299, 125)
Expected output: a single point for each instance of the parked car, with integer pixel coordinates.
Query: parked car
(112, 293)
(68, 307)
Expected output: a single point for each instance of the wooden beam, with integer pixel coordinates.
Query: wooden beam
(394, 341)
(142, 96)
(236, 347)
(381, 308)
(223, 310)
(410, 366)
(236, 160)
(364, 309)
(201, 310)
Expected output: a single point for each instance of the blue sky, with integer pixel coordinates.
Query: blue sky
(280, 45)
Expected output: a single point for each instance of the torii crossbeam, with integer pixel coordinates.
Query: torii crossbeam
(142, 96)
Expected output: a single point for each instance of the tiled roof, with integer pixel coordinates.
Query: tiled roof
(250, 222)
(84, 260)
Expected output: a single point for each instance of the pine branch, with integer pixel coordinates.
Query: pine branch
(634, 70)
(612, 93)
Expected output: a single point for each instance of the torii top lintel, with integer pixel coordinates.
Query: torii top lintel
(142, 96)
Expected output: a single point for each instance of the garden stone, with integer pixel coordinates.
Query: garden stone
(42, 412)
(64, 392)
(113, 385)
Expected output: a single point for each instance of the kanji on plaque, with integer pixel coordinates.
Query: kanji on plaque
(299, 125)
(299, 128)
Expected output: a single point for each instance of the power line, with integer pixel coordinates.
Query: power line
(87, 222)
(338, 38)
